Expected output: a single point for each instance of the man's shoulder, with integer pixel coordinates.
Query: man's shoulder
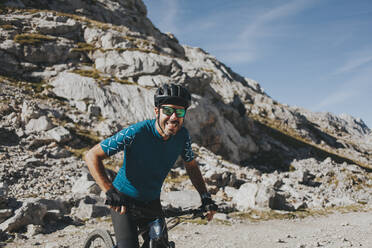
(145, 125)
(183, 132)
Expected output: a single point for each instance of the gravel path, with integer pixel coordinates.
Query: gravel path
(336, 230)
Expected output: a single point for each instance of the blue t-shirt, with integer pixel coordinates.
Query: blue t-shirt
(147, 158)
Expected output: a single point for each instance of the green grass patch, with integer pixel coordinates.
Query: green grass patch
(88, 73)
(32, 39)
(7, 27)
(254, 215)
(79, 153)
(207, 70)
(38, 87)
(132, 49)
(123, 81)
(84, 47)
(176, 179)
(197, 221)
(130, 38)
(94, 73)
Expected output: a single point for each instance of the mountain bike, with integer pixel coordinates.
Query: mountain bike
(157, 229)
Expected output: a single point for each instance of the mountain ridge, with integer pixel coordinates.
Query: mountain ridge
(68, 81)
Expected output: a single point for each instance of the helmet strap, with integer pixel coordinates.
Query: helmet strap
(158, 120)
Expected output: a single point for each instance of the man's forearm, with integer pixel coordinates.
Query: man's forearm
(196, 177)
(97, 170)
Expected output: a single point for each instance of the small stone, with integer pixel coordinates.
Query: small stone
(33, 230)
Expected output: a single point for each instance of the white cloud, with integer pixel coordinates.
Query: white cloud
(352, 90)
(247, 45)
(354, 63)
(250, 23)
(258, 26)
(338, 97)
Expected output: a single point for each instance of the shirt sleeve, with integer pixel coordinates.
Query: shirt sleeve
(118, 142)
(187, 153)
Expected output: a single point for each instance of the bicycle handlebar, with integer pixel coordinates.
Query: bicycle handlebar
(167, 213)
(198, 212)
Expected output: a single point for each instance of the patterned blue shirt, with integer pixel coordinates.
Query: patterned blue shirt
(147, 158)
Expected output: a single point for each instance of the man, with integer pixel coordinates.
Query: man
(150, 148)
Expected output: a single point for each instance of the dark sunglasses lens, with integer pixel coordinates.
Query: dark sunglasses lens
(168, 111)
(180, 112)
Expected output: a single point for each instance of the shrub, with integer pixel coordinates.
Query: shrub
(32, 39)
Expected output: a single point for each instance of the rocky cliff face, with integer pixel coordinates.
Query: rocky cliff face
(109, 54)
(74, 72)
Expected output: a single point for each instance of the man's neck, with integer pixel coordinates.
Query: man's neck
(160, 131)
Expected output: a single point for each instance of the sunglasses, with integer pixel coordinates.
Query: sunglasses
(169, 111)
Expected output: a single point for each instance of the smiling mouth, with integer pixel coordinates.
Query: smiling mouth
(172, 124)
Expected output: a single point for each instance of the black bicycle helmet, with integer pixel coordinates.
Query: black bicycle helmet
(172, 94)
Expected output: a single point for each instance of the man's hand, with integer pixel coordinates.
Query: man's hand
(115, 200)
(209, 205)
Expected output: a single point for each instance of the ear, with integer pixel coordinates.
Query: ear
(156, 110)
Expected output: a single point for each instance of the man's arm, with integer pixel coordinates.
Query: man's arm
(196, 177)
(197, 180)
(94, 159)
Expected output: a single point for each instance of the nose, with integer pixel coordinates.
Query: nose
(173, 116)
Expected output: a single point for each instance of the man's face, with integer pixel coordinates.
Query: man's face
(169, 118)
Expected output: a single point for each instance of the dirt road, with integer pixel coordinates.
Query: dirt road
(336, 230)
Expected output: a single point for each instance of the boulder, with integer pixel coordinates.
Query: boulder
(3, 194)
(91, 207)
(94, 110)
(59, 134)
(181, 199)
(230, 192)
(33, 162)
(59, 152)
(133, 63)
(220, 177)
(254, 196)
(245, 198)
(85, 185)
(30, 110)
(30, 212)
(41, 124)
(108, 127)
(33, 230)
(61, 205)
(5, 214)
(8, 63)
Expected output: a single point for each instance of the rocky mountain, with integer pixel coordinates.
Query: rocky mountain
(75, 72)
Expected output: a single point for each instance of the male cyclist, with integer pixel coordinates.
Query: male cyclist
(151, 148)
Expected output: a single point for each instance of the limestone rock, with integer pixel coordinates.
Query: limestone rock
(5, 214)
(3, 194)
(29, 213)
(181, 199)
(59, 134)
(91, 206)
(245, 198)
(85, 185)
(38, 125)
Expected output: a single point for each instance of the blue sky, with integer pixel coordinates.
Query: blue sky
(315, 54)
